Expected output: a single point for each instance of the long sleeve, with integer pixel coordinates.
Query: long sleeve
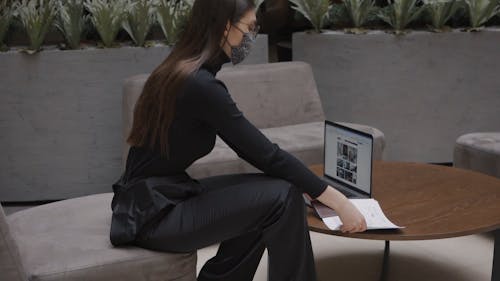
(213, 105)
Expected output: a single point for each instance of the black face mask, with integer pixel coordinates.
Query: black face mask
(241, 51)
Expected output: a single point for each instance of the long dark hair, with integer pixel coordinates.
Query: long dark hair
(198, 44)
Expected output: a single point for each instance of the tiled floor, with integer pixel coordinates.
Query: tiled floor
(466, 258)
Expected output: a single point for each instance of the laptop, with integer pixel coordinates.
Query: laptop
(348, 157)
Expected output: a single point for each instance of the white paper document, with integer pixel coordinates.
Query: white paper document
(370, 208)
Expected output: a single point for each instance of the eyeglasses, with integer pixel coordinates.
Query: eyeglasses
(252, 28)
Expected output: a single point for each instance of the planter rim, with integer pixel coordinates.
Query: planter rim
(387, 31)
(55, 48)
(85, 47)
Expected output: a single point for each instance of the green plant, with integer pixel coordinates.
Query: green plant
(107, 17)
(6, 13)
(71, 21)
(140, 18)
(316, 11)
(37, 17)
(359, 10)
(373, 18)
(480, 11)
(338, 16)
(400, 13)
(172, 17)
(440, 12)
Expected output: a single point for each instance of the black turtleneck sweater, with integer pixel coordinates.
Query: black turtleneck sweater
(204, 109)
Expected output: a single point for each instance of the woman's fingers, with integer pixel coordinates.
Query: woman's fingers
(362, 226)
(348, 228)
(354, 227)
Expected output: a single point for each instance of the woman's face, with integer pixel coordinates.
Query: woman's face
(234, 36)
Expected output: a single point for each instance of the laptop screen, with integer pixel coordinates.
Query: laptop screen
(348, 156)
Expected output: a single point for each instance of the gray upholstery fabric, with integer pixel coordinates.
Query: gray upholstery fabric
(132, 88)
(11, 268)
(274, 94)
(281, 99)
(305, 141)
(69, 240)
(270, 95)
(478, 151)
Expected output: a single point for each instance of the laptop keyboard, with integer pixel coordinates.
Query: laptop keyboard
(346, 193)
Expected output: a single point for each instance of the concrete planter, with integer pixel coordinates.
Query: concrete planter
(60, 118)
(422, 89)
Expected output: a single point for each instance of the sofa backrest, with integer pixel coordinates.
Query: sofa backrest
(270, 95)
(11, 267)
(274, 94)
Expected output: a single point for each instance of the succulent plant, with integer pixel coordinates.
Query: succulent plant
(71, 21)
(440, 12)
(6, 14)
(172, 17)
(359, 10)
(316, 11)
(400, 13)
(338, 16)
(481, 11)
(107, 17)
(37, 17)
(140, 17)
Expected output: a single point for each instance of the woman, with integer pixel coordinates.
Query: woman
(158, 206)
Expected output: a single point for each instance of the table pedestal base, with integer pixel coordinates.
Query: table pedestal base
(495, 274)
(385, 262)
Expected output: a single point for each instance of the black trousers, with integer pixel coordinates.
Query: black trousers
(246, 213)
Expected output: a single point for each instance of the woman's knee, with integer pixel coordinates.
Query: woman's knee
(286, 195)
(291, 191)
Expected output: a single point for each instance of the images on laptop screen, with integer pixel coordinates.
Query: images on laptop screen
(348, 157)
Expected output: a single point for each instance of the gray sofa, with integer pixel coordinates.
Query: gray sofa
(281, 99)
(69, 241)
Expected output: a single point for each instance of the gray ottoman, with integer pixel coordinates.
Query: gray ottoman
(479, 152)
(69, 240)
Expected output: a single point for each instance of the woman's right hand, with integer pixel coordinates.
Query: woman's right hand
(352, 219)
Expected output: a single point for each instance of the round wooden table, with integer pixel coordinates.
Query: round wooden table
(432, 202)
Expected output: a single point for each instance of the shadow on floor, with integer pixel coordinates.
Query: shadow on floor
(368, 266)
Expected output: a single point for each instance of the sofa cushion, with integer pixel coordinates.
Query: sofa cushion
(69, 240)
(281, 99)
(11, 267)
(478, 151)
(270, 95)
(274, 94)
(304, 141)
